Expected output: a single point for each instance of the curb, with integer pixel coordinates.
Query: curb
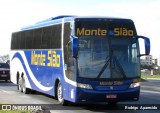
(151, 78)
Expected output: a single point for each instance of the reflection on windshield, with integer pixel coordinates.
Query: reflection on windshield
(100, 58)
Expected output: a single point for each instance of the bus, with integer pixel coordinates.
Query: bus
(79, 59)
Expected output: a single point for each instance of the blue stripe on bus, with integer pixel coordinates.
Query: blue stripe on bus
(33, 86)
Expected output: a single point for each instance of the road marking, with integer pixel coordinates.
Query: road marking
(147, 91)
(8, 92)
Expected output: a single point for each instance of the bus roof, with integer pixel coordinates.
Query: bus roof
(67, 18)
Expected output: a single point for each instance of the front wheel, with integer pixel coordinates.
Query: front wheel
(19, 84)
(60, 94)
(24, 89)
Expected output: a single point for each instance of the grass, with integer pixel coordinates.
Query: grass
(150, 76)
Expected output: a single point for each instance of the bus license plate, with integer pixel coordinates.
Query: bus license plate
(111, 96)
(3, 75)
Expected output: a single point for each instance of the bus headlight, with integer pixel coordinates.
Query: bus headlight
(85, 86)
(134, 85)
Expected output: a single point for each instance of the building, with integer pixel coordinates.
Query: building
(147, 60)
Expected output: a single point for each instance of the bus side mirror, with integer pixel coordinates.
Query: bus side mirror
(146, 44)
(74, 46)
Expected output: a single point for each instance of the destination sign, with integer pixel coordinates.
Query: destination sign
(104, 28)
(121, 32)
(91, 32)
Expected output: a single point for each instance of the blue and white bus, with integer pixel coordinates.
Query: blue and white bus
(79, 59)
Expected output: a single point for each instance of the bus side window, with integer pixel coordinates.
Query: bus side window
(29, 39)
(46, 37)
(37, 38)
(70, 59)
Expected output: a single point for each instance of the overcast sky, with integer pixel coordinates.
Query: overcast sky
(15, 14)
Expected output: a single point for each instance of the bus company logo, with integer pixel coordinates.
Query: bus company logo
(91, 32)
(110, 83)
(111, 87)
(6, 107)
(121, 32)
(103, 32)
(51, 59)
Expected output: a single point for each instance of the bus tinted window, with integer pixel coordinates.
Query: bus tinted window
(13, 41)
(37, 38)
(22, 44)
(41, 38)
(29, 39)
(18, 40)
(46, 37)
(56, 36)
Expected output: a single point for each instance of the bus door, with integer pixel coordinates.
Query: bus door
(69, 61)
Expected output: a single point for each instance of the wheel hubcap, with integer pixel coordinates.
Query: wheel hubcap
(19, 83)
(60, 98)
(23, 86)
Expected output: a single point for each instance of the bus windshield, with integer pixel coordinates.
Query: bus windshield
(108, 58)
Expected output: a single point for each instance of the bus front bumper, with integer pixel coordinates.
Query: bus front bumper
(90, 96)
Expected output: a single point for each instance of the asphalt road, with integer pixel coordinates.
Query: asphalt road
(150, 94)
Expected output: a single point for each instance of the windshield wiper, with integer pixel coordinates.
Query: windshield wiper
(118, 64)
(106, 64)
(120, 67)
(103, 68)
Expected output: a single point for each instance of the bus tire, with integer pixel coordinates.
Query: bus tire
(60, 94)
(19, 84)
(24, 89)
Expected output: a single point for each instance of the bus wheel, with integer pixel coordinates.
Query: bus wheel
(60, 94)
(24, 89)
(19, 84)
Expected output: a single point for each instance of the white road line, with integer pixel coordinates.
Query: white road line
(5, 91)
(147, 91)
(8, 92)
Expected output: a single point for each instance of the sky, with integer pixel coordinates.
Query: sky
(15, 14)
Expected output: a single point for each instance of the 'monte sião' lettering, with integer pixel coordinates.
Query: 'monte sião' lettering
(91, 32)
(123, 32)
